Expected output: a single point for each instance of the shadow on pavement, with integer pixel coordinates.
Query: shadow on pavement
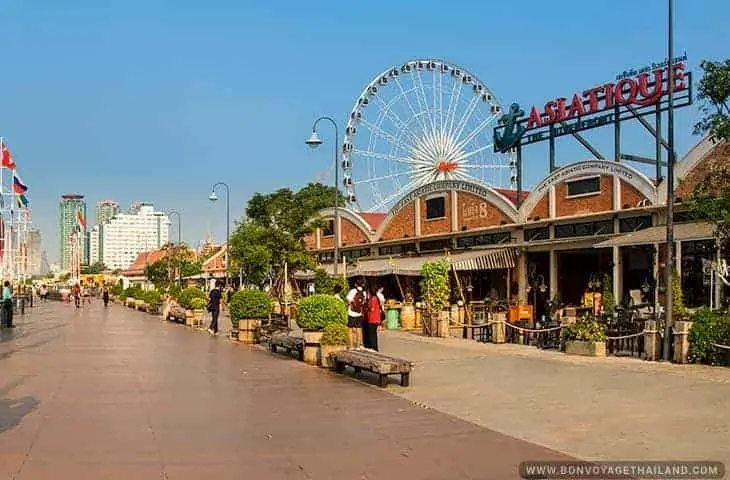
(21, 331)
(13, 410)
(8, 353)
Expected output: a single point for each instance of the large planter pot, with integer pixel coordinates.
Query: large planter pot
(325, 351)
(248, 331)
(198, 316)
(140, 305)
(154, 309)
(130, 302)
(586, 349)
(442, 328)
(189, 318)
(312, 346)
(408, 317)
(234, 331)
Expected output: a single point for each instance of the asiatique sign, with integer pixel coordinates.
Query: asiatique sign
(633, 93)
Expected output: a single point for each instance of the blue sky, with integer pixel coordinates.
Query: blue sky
(156, 100)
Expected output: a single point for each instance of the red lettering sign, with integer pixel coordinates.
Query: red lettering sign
(645, 89)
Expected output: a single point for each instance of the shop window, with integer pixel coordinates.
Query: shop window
(584, 186)
(351, 255)
(435, 208)
(329, 229)
(326, 257)
(486, 239)
(537, 234)
(435, 245)
(634, 224)
(397, 249)
(696, 278)
(584, 229)
(684, 217)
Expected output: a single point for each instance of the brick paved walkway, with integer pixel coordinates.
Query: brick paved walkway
(593, 408)
(91, 394)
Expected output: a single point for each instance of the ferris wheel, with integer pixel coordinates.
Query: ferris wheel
(420, 122)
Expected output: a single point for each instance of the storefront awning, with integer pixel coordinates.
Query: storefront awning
(682, 232)
(492, 259)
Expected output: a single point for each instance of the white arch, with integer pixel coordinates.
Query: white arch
(688, 163)
(492, 196)
(352, 216)
(630, 175)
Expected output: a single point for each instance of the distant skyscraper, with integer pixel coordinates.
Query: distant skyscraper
(45, 266)
(129, 234)
(105, 211)
(70, 205)
(34, 251)
(95, 251)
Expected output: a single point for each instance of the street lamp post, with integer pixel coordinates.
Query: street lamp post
(213, 197)
(314, 142)
(669, 263)
(179, 240)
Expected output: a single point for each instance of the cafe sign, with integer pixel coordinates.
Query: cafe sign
(634, 92)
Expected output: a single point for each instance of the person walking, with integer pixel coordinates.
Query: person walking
(357, 301)
(105, 296)
(76, 292)
(214, 307)
(373, 319)
(7, 306)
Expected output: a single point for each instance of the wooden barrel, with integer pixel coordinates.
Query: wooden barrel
(408, 317)
(312, 343)
(248, 331)
(443, 323)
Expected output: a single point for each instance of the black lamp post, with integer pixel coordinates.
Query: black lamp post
(179, 239)
(213, 197)
(314, 141)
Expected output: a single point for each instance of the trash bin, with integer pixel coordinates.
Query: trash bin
(392, 317)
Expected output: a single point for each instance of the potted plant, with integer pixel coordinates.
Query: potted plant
(248, 307)
(608, 302)
(585, 337)
(335, 338)
(185, 300)
(435, 288)
(314, 313)
(153, 299)
(198, 304)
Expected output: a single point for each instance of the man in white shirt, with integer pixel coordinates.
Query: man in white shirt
(357, 301)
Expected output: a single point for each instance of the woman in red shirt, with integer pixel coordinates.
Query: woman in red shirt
(373, 318)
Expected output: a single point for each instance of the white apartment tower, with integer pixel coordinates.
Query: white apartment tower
(105, 211)
(95, 244)
(128, 234)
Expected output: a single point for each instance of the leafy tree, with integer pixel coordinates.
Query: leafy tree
(274, 230)
(710, 198)
(94, 268)
(714, 92)
(158, 273)
(190, 268)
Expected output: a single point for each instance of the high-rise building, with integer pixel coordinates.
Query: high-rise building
(95, 250)
(105, 211)
(70, 205)
(129, 234)
(34, 251)
(45, 266)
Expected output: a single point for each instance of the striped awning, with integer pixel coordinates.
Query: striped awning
(502, 258)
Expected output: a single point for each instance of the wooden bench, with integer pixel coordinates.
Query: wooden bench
(290, 343)
(375, 362)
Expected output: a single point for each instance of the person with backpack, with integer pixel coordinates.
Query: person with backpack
(357, 305)
(373, 320)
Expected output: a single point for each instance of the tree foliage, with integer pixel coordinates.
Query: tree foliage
(274, 229)
(710, 198)
(714, 93)
(93, 269)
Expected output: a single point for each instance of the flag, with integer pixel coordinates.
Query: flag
(80, 219)
(7, 159)
(18, 185)
(22, 201)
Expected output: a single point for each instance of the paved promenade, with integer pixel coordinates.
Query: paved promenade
(117, 394)
(594, 409)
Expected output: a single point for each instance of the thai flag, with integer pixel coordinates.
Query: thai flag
(18, 185)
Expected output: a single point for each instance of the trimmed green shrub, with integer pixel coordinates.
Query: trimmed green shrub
(186, 296)
(152, 297)
(134, 292)
(198, 303)
(585, 329)
(335, 334)
(250, 304)
(709, 329)
(116, 290)
(318, 311)
(175, 290)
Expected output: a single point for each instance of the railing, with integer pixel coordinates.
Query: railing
(547, 337)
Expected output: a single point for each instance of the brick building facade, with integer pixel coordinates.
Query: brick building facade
(584, 215)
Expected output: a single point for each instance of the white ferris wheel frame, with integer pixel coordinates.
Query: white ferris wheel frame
(441, 136)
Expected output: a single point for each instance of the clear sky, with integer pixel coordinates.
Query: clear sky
(156, 100)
